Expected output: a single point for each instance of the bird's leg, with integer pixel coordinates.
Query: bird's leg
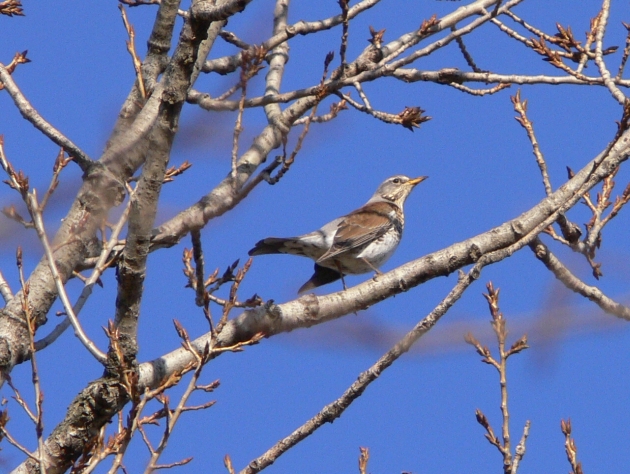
(376, 270)
(343, 282)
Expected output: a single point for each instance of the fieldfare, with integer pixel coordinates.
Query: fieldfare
(356, 243)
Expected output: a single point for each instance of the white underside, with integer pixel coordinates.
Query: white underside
(376, 254)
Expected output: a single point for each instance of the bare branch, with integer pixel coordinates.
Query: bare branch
(491, 246)
(599, 60)
(519, 451)
(344, 32)
(229, 64)
(18, 58)
(334, 410)
(63, 296)
(363, 460)
(573, 283)
(5, 289)
(570, 447)
(479, 92)
(520, 106)
(626, 53)
(462, 47)
(499, 326)
(99, 268)
(454, 75)
(131, 48)
(30, 114)
(39, 396)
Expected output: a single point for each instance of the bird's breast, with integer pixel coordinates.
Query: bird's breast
(379, 251)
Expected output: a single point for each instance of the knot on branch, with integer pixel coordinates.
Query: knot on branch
(517, 228)
(311, 306)
(474, 252)
(540, 250)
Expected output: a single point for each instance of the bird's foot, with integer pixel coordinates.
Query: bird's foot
(377, 273)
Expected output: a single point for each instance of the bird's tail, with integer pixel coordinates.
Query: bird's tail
(270, 245)
(322, 276)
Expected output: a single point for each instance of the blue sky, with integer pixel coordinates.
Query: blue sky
(419, 416)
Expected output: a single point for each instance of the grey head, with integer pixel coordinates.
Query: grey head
(396, 189)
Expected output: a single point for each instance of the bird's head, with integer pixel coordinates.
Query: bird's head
(396, 189)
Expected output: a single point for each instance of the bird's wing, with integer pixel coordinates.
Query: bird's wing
(361, 227)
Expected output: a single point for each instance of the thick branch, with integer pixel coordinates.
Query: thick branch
(153, 65)
(230, 191)
(309, 310)
(102, 189)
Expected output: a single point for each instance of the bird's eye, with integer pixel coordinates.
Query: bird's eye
(396, 181)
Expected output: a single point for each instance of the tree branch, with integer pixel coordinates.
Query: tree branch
(495, 244)
(30, 114)
(573, 283)
(335, 409)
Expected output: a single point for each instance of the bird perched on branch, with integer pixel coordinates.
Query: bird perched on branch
(356, 243)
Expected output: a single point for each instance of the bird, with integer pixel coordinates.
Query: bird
(356, 243)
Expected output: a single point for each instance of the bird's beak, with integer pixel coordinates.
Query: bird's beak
(417, 180)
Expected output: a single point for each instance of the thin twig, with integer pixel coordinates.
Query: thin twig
(599, 60)
(410, 116)
(519, 451)
(39, 396)
(132, 425)
(364, 456)
(590, 38)
(573, 283)
(626, 53)
(335, 108)
(20, 401)
(18, 58)
(520, 106)
(462, 47)
(32, 205)
(137, 3)
(60, 164)
(227, 461)
(334, 410)
(570, 447)
(249, 68)
(30, 114)
(199, 271)
(131, 48)
(11, 440)
(499, 327)
(174, 415)
(344, 34)
(479, 92)
(231, 38)
(366, 102)
(99, 268)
